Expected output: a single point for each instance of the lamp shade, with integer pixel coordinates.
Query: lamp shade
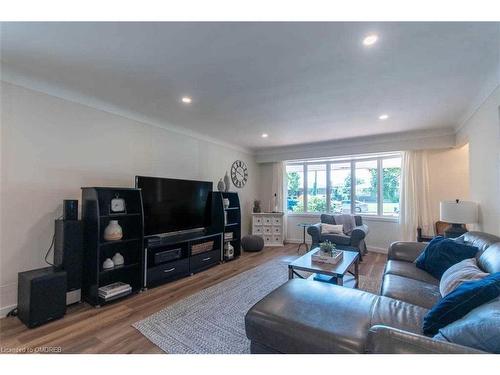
(458, 212)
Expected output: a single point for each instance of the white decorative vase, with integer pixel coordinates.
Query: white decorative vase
(220, 185)
(118, 259)
(225, 202)
(107, 264)
(113, 231)
(227, 182)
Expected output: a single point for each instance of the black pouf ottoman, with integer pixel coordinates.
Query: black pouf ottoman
(252, 243)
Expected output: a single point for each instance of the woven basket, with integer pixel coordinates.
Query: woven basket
(202, 247)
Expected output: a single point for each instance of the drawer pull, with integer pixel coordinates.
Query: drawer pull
(204, 260)
(170, 270)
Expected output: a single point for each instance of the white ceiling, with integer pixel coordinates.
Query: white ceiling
(298, 82)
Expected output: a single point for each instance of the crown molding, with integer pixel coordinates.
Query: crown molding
(490, 86)
(489, 89)
(12, 77)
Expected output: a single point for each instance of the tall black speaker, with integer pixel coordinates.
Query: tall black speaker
(68, 255)
(41, 296)
(70, 209)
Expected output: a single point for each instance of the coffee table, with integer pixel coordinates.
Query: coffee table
(325, 272)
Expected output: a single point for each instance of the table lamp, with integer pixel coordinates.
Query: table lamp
(457, 213)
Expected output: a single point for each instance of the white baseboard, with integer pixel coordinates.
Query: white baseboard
(8, 297)
(296, 240)
(5, 310)
(380, 250)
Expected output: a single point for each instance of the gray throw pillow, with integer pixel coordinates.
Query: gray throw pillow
(479, 329)
(453, 277)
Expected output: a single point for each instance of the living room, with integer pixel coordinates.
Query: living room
(250, 187)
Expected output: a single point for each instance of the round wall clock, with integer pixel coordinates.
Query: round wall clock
(239, 173)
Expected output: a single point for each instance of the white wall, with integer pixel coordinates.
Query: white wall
(482, 132)
(448, 176)
(50, 147)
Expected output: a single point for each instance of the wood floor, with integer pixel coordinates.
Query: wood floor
(108, 329)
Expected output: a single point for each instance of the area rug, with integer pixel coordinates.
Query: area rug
(212, 321)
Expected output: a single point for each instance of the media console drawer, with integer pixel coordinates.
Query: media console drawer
(167, 271)
(204, 260)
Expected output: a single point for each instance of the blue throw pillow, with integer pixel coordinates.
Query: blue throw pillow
(442, 253)
(479, 329)
(458, 303)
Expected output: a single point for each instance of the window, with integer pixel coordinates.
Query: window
(316, 188)
(329, 185)
(295, 199)
(391, 180)
(366, 173)
(340, 185)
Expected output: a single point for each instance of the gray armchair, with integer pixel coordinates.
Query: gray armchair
(356, 239)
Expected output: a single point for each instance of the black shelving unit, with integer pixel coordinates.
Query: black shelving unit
(232, 222)
(96, 215)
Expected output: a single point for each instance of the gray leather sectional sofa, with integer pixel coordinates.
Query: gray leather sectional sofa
(305, 316)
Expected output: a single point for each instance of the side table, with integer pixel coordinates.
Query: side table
(304, 226)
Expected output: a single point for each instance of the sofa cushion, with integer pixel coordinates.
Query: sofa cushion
(340, 239)
(458, 303)
(330, 219)
(410, 270)
(442, 253)
(489, 260)
(479, 329)
(398, 314)
(466, 270)
(304, 316)
(409, 290)
(480, 240)
(327, 219)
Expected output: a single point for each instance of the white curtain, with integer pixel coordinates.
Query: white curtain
(415, 205)
(279, 185)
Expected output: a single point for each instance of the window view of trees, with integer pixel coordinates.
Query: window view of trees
(329, 187)
(316, 188)
(366, 187)
(295, 199)
(391, 180)
(340, 184)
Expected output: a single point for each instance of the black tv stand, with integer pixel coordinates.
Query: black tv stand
(185, 254)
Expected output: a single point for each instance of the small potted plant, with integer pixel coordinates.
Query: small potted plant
(327, 248)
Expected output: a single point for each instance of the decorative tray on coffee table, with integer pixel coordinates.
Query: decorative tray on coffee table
(321, 257)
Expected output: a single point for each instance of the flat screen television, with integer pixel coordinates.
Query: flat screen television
(173, 205)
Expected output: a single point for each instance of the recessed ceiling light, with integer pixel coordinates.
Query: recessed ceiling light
(383, 117)
(370, 39)
(264, 135)
(186, 100)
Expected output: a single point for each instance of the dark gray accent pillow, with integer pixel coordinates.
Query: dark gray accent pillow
(479, 329)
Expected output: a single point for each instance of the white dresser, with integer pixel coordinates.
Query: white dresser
(269, 226)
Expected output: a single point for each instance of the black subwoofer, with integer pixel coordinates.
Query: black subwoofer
(41, 296)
